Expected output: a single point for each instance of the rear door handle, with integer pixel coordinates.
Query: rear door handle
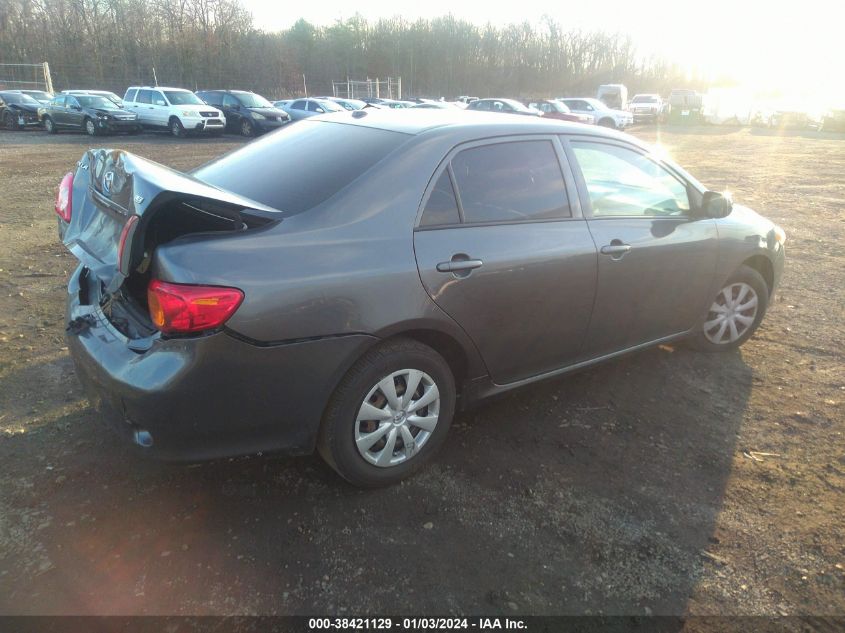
(615, 249)
(457, 265)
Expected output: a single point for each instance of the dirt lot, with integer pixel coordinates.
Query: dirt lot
(626, 489)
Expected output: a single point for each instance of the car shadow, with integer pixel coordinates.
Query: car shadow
(595, 493)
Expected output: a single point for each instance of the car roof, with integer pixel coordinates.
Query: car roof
(157, 88)
(416, 121)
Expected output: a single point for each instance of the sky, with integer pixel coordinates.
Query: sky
(762, 44)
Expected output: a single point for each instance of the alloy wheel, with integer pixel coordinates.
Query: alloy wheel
(397, 417)
(731, 314)
(90, 127)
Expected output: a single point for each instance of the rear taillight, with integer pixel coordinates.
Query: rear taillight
(183, 308)
(64, 199)
(125, 237)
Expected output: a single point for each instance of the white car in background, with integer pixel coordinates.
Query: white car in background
(175, 109)
(645, 107)
(604, 116)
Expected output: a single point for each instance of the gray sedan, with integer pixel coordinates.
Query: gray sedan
(299, 109)
(351, 295)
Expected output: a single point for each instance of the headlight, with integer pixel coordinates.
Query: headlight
(257, 116)
(780, 235)
(102, 115)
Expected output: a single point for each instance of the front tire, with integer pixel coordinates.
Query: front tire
(608, 122)
(735, 314)
(389, 414)
(247, 128)
(50, 126)
(90, 127)
(176, 128)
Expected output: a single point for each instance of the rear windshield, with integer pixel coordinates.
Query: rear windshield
(302, 165)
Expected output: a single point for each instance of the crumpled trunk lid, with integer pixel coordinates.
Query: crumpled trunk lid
(111, 187)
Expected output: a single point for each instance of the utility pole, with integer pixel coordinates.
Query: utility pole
(304, 86)
(155, 79)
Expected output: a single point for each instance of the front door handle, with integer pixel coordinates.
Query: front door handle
(459, 265)
(615, 248)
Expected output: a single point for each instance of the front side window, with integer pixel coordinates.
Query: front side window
(298, 105)
(230, 101)
(58, 102)
(624, 182)
(158, 98)
(514, 181)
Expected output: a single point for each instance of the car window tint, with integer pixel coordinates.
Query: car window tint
(229, 100)
(623, 182)
(158, 98)
(302, 165)
(145, 96)
(58, 102)
(130, 95)
(442, 207)
(298, 105)
(71, 102)
(510, 181)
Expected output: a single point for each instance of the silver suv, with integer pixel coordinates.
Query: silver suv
(175, 109)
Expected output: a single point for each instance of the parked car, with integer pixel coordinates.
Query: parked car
(299, 109)
(614, 96)
(99, 93)
(41, 96)
(685, 106)
(507, 106)
(246, 112)
(436, 105)
(465, 100)
(349, 295)
(18, 111)
(646, 107)
(347, 104)
(833, 120)
(603, 116)
(177, 110)
(554, 109)
(87, 113)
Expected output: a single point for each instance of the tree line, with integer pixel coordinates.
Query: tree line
(111, 44)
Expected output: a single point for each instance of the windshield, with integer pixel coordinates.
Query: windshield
(109, 95)
(252, 100)
(330, 106)
(598, 105)
(14, 97)
(182, 97)
(38, 94)
(99, 103)
(644, 99)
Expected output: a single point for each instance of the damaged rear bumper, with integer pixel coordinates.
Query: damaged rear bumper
(208, 396)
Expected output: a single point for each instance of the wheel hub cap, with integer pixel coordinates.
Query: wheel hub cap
(397, 417)
(731, 314)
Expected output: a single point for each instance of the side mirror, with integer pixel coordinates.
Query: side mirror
(716, 205)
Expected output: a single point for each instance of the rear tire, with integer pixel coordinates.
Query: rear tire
(607, 122)
(409, 430)
(735, 314)
(9, 122)
(50, 126)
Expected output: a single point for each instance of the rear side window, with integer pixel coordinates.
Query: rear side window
(130, 95)
(442, 207)
(298, 105)
(515, 181)
(145, 96)
(298, 167)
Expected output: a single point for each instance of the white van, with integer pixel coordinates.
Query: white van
(174, 109)
(614, 96)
